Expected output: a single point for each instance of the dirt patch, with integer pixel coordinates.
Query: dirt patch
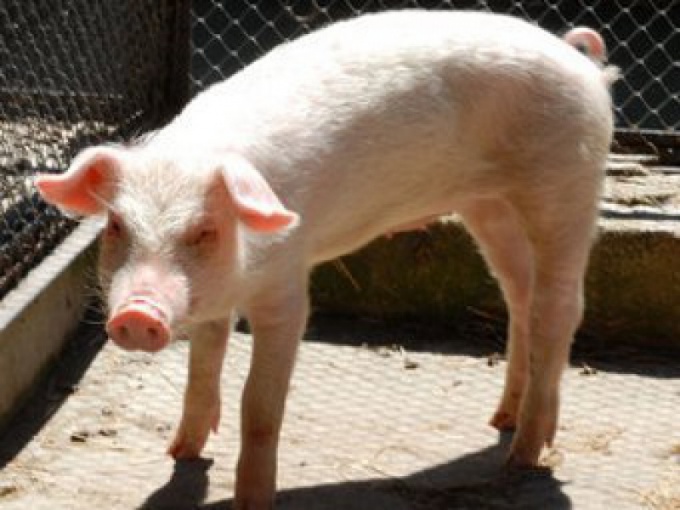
(32, 144)
(665, 495)
(585, 439)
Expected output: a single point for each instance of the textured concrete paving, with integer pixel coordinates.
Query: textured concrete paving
(379, 417)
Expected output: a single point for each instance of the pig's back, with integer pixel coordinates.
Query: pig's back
(369, 66)
(402, 99)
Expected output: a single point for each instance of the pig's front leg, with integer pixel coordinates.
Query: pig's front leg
(201, 412)
(278, 320)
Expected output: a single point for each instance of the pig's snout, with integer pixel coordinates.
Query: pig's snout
(139, 324)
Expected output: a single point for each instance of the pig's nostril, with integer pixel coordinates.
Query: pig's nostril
(136, 326)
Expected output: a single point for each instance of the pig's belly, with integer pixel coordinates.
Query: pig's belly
(335, 243)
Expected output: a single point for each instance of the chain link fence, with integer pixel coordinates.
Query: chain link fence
(643, 40)
(73, 73)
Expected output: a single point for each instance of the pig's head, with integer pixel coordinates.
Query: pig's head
(171, 244)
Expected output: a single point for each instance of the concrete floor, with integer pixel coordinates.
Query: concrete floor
(379, 417)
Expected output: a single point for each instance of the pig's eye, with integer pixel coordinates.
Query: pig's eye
(201, 237)
(114, 227)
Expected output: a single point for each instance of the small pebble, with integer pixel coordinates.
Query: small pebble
(409, 364)
(7, 488)
(587, 370)
(108, 432)
(493, 359)
(80, 436)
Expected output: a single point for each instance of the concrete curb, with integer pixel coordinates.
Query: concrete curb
(39, 315)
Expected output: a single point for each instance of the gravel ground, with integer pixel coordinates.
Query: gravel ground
(380, 416)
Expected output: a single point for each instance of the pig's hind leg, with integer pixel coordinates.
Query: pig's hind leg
(202, 401)
(560, 220)
(536, 243)
(503, 242)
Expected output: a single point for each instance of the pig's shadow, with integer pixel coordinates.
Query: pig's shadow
(187, 487)
(473, 481)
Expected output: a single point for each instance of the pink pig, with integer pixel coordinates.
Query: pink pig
(365, 127)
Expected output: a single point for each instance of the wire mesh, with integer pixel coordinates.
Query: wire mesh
(74, 73)
(642, 37)
(77, 72)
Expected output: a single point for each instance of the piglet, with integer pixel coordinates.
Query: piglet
(368, 126)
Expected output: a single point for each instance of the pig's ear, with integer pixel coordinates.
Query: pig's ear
(256, 204)
(87, 185)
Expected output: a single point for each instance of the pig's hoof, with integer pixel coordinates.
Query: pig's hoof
(525, 451)
(185, 448)
(528, 443)
(522, 460)
(193, 433)
(189, 441)
(503, 420)
(506, 415)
